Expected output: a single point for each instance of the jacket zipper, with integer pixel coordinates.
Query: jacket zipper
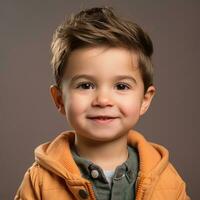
(139, 191)
(91, 191)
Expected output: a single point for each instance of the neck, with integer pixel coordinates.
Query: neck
(108, 155)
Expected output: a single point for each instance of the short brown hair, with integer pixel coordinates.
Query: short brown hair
(100, 26)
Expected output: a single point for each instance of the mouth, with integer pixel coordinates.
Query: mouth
(102, 119)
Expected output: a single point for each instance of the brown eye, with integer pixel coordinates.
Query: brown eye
(85, 85)
(123, 86)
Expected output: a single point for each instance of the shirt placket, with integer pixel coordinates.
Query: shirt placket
(120, 184)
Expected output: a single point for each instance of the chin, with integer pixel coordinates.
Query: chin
(105, 137)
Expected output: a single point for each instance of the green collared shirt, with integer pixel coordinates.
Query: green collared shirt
(111, 185)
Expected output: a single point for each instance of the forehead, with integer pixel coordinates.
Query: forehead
(104, 62)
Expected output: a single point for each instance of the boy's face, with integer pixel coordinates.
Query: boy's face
(102, 81)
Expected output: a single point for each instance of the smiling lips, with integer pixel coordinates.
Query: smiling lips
(102, 119)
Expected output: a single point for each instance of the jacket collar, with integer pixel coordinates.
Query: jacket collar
(56, 156)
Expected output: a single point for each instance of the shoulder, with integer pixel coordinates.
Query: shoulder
(30, 185)
(170, 180)
(34, 174)
(170, 177)
(44, 178)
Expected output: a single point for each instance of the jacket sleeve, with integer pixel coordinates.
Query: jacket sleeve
(30, 185)
(182, 193)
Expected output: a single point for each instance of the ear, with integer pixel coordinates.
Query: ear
(57, 98)
(147, 99)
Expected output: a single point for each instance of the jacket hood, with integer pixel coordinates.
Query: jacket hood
(56, 156)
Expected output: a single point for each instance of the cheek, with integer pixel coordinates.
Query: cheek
(131, 107)
(76, 105)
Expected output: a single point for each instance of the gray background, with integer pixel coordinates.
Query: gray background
(28, 116)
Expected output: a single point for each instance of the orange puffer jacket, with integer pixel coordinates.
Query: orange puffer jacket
(55, 175)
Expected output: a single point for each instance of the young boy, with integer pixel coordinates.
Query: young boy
(104, 83)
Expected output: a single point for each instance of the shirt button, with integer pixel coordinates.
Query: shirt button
(83, 194)
(130, 173)
(95, 173)
(120, 173)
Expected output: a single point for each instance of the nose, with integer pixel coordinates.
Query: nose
(102, 98)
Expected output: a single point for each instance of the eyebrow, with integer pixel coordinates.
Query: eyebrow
(86, 76)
